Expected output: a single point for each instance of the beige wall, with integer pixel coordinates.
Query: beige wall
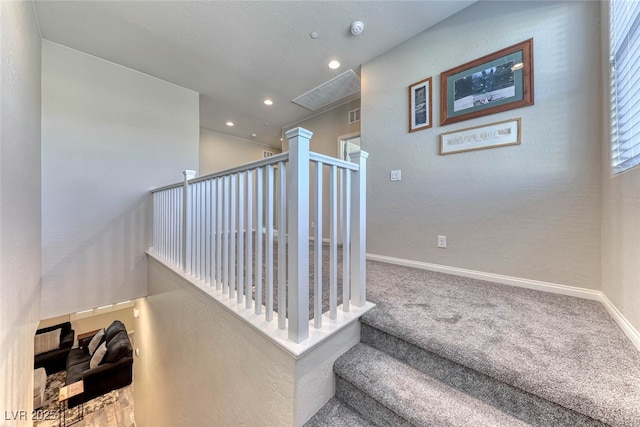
(219, 151)
(200, 365)
(326, 128)
(620, 215)
(88, 324)
(109, 135)
(529, 211)
(20, 207)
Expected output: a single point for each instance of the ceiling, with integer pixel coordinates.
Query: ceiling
(236, 54)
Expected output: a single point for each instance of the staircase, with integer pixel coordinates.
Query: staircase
(463, 352)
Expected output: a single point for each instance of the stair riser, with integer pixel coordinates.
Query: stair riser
(370, 409)
(509, 399)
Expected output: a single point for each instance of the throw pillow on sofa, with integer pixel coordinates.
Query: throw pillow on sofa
(95, 341)
(98, 356)
(118, 347)
(47, 341)
(113, 329)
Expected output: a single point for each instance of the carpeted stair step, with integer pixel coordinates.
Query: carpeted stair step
(388, 392)
(518, 403)
(336, 414)
(568, 353)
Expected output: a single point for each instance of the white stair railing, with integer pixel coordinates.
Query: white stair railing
(227, 229)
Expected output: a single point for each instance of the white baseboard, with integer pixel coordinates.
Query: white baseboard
(622, 321)
(555, 288)
(497, 278)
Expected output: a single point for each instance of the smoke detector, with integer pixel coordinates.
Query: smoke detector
(357, 27)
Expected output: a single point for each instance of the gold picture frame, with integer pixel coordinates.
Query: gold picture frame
(497, 82)
(420, 105)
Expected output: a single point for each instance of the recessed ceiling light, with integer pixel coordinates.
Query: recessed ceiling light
(334, 65)
(314, 34)
(268, 102)
(229, 123)
(253, 135)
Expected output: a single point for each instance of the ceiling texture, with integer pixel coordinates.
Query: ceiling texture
(236, 54)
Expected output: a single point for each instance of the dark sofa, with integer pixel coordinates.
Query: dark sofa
(56, 360)
(115, 371)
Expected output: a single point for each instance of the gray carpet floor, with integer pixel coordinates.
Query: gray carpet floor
(326, 281)
(563, 349)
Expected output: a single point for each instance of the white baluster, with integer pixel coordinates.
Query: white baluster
(208, 231)
(194, 227)
(197, 231)
(240, 237)
(269, 248)
(333, 242)
(219, 231)
(173, 205)
(163, 223)
(249, 236)
(233, 190)
(346, 236)
(282, 243)
(317, 303)
(225, 234)
(259, 268)
(202, 231)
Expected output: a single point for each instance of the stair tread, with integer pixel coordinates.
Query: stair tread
(563, 349)
(413, 395)
(336, 414)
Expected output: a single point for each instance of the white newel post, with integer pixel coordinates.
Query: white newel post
(186, 221)
(298, 233)
(359, 229)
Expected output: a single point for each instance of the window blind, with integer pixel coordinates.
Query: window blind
(625, 83)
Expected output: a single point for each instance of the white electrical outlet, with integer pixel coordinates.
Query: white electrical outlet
(396, 175)
(442, 242)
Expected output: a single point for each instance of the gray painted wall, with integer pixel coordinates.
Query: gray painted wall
(219, 151)
(529, 211)
(19, 206)
(109, 135)
(199, 364)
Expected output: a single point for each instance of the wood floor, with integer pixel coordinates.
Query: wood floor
(118, 414)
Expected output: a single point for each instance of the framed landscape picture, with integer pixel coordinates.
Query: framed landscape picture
(496, 82)
(420, 105)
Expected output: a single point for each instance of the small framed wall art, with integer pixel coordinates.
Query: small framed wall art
(420, 105)
(497, 82)
(499, 134)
